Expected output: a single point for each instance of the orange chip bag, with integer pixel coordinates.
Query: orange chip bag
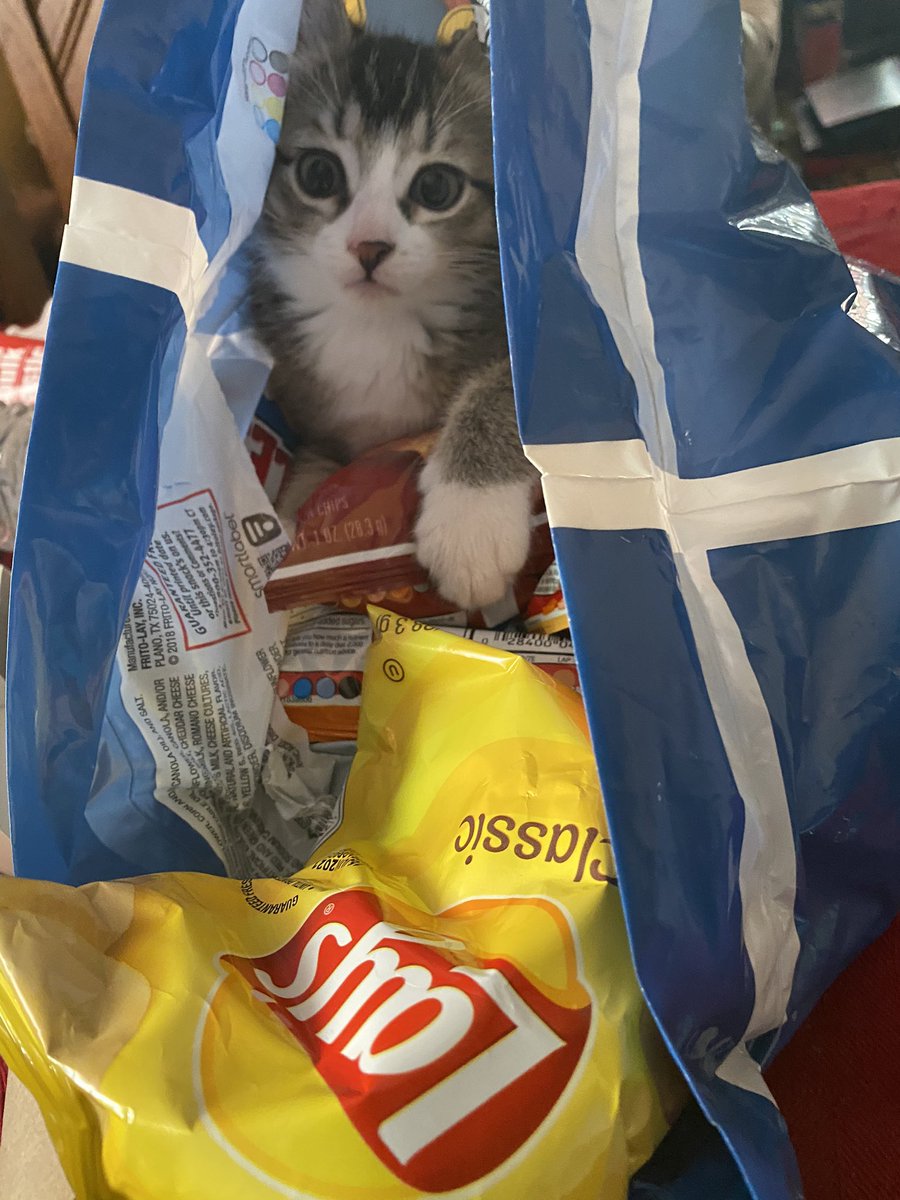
(441, 1003)
(354, 544)
(546, 611)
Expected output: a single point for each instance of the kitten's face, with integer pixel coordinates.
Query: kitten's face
(382, 192)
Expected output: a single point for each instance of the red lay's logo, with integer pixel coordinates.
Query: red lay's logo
(445, 1063)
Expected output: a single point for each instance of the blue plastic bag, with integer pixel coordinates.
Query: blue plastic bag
(720, 438)
(143, 735)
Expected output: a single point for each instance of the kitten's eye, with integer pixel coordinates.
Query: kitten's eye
(320, 174)
(437, 187)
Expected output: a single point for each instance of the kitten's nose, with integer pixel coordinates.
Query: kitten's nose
(371, 254)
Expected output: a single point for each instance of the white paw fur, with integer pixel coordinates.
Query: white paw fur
(473, 541)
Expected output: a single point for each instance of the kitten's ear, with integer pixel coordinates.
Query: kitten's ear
(467, 65)
(466, 45)
(324, 25)
(467, 57)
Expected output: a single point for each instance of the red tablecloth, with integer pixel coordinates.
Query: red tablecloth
(865, 222)
(837, 1085)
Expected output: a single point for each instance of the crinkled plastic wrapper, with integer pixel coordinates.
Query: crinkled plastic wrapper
(441, 1003)
(321, 678)
(355, 544)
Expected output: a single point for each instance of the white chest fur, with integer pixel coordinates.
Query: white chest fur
(373, 359)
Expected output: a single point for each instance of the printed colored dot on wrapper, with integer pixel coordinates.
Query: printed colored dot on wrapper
(284, 688)
(325, 689)
(274, 107)
(303, 689)
(258, 50)
(349, 687)
(273, 129)
(258, 73)
(277, 84)
(279, 61)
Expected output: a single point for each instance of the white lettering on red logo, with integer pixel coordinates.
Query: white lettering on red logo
(444, 1063)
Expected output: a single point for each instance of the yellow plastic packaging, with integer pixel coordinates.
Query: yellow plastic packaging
(443, 1003)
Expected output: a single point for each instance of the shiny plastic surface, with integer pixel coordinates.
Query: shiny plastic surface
(440, 1003)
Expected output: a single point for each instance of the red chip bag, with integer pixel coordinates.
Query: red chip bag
(355, 545)
(20, 368)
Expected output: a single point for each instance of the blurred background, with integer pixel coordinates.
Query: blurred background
(44, 47)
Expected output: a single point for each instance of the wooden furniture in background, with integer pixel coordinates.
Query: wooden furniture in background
(23, 283)
(46, 44)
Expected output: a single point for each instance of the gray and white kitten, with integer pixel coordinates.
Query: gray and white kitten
(376, 286)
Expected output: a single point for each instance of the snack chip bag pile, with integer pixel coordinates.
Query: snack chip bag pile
(441, 1003)
(320, 684)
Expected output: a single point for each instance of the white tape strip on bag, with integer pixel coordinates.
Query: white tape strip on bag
(101, 235)
(608, 253)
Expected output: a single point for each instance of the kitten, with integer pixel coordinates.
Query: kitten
(376, 286)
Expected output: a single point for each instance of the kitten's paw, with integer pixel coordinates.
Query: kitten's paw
(473, 540)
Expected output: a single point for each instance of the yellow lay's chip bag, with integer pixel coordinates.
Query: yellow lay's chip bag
(441, 1003)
